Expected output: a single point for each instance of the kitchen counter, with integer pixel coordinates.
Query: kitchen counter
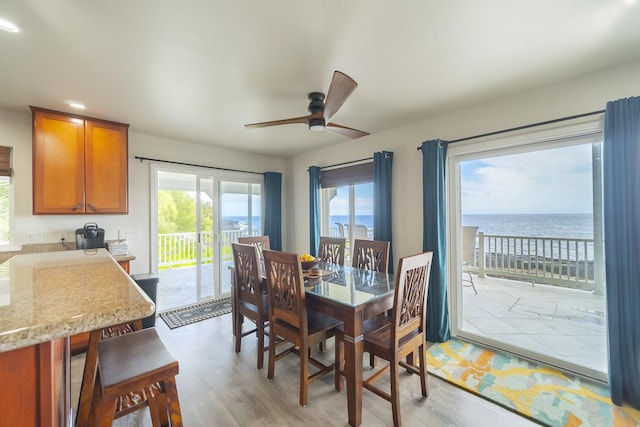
(45, 298)
(51, 295)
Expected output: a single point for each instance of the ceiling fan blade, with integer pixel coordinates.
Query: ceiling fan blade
(303, 119)
(341, 87)
(345, 131)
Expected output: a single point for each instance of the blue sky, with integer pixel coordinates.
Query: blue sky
(364, 200)
(558, 180)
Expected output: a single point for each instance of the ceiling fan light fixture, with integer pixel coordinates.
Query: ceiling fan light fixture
(316, 125)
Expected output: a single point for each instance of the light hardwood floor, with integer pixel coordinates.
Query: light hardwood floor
(218, 387)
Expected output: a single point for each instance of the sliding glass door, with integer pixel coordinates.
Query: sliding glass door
(527, 252)
(197, 216)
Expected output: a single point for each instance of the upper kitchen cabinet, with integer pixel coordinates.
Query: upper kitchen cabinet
(80, 164)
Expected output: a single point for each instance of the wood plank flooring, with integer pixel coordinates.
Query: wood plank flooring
(218, 387)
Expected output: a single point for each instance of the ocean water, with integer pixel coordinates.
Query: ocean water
(572, 226)
(344, 219)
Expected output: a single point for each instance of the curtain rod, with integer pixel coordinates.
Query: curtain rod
(346, 163)
(191, 164)
(562, 119)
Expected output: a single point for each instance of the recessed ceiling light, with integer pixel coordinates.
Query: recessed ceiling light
(8, 26)
(76, 105)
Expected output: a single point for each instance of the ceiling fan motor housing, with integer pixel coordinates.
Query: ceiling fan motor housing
(316, 105)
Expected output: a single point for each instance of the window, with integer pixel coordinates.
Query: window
(5, 196)
(347, 203)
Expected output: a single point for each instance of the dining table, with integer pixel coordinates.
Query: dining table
(351, 295)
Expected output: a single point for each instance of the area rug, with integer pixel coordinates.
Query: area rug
(543, 394)
(194, 313)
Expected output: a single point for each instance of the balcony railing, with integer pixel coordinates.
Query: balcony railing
(556, 261)
(180, 249)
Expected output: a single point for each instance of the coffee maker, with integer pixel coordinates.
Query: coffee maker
(90, 236)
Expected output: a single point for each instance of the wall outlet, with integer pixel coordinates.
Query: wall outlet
(62, 236)
(128, 234)
(35, 237)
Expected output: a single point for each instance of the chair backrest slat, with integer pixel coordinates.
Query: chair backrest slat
(410, 299)
(247, 273)
(370, 255)
(331, 249)
(285, 287)
(260, 242)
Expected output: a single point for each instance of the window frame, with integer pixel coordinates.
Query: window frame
(562, 134)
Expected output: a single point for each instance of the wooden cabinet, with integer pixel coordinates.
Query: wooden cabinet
(125, 266)
(35, 385)
(80, 164)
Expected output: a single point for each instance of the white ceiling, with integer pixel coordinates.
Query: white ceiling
(198, 70)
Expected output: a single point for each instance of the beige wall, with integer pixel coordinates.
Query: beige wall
(15, 131)
(579, 95)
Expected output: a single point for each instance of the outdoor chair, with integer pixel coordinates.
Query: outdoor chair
(290, 319)
(397, 338)
(250, 299)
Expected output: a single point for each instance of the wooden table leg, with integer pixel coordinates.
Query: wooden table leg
(353, 348)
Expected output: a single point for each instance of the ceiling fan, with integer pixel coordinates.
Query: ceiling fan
(321, 109)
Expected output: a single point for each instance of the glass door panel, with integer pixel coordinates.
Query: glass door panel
(240, 216)
(177, 236)
(529, 255)
(207, 253)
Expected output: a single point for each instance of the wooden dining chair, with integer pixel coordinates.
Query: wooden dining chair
(290, 320)
(250, 299)
(370, 255)
(260, 242)
(331, 250)
(396, 339)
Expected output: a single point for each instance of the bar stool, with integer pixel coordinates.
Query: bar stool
(135, 362)
(91, 366)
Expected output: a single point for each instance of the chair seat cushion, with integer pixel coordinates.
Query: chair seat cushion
(129, 356)
(379, 340)
(248, 309)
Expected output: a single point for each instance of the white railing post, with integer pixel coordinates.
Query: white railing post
(481, 255)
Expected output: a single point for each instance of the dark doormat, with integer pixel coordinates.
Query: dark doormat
(177, 317)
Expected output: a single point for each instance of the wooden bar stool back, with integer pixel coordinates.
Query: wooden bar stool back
(133, 362)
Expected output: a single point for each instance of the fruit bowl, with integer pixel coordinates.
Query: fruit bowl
(308, 264)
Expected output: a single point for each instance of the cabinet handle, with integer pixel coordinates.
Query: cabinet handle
(93, 208)
(76, 207)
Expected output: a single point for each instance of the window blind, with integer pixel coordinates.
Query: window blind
(5, 161)
(350, 175)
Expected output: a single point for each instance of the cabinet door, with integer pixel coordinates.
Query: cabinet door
(58, 164)
(106, 170)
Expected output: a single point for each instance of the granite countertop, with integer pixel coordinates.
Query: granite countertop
(127, 257)
(44, 296)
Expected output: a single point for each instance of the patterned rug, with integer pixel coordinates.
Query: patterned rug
(543, 394)
(194, 313)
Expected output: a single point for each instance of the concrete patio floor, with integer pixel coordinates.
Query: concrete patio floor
(562, 323)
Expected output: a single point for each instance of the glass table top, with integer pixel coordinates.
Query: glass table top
(348, 285)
